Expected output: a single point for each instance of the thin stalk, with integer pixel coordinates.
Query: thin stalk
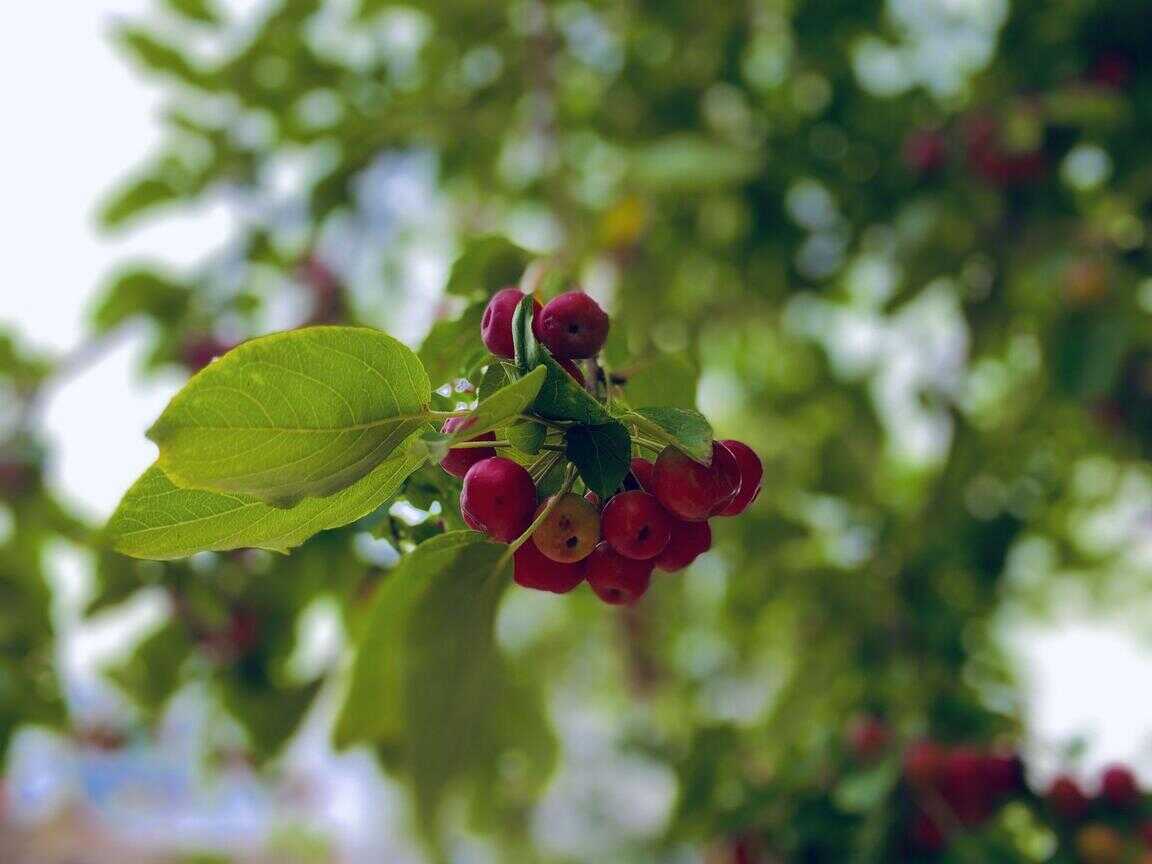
(569, 481)
(447, 415)
(469, 445)
(650, 445)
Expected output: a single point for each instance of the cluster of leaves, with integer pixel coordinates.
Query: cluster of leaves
(733, 176)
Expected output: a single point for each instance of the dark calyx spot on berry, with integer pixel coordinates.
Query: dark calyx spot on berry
(572, 542)
(573, 328)
(643, 533)
(614, 594)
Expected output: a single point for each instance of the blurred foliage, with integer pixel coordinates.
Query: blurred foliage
(901, 249)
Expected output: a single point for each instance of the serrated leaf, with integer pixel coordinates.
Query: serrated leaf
(560, 397)
(307, 412)
(427, 676)
(684, 428)
(162, 521)
(527, 436)
(486, 265)
(501, 407)
(454, 347)
(601, 454)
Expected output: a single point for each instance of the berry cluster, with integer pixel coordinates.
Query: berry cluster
(657, 519)
(1109, 826)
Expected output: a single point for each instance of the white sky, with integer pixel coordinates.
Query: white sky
(76, 118)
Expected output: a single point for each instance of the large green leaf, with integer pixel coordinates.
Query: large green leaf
(686, 429)
(308, 412)
(427, 678)
(486, 265)
(560, 397)
(601, 454)
(161, 521)
(454, 347)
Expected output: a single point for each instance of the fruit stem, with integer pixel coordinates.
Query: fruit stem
(467, 445)
(448, 415)
(549, 423)
(651, 445)
(569, 481)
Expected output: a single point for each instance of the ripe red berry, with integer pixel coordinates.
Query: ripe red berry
(457, 462)
(751, 473)
(963, 785)
(925, 835)
(496, 325)
(532, 569)
(201, 350)
(1118, 787)
(571, 367)
(923, 764)
(688, 542)
(925, 151)
(573, 325)
(868, 737)
(693, 491)
(1067, 799)
(636, 526)
(498, 498)
(1004, 772)
(571, 530)
(642, 470)
(617, 580)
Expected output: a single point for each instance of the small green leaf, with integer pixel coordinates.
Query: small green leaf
(201, 11)
(486, 265)
(308, 412)
(155, 55)
(496, 377)
(560, 397)
(527, 436)
(141, 291)
(601, 454)
(501, 407)
(454, 347)
(684, 428)
(161, 521)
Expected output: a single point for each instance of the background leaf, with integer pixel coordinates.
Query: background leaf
(486, 265)
(452, 348)
(308, 412)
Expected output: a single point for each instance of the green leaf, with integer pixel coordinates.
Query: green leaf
(202, 11)
(501, 407)
(141, 291)
(496, 377)
(161, 521)
(486, 265)
(686, 163)
(308, 412)
(427, 677)
(155, 55)
(527, 436)
(454, 347)
(684, 428)
(601, 454)
(560, 397)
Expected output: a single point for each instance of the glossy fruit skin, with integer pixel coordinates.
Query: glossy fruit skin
(573, 326)
(498, 498)
(571, 530)
(636, 525)
(496, 325)
(1067, 799)
(457, 462)
(532, 569)
(1004, 773)
(691, 491)
(751, 475)
(1118, 787)
(573, 370)
(688, 542)
(963, 786)
(617, 580)
(643, 471)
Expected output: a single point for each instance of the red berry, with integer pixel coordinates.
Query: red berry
(636, 525)
(868, 737)
(571, 530)
(498, 498)
(572, 369)
(689, 541)
(923, 764)
(617, 580)
(693, 491)
(1004, 773)
(751, 473)
(496, 325)
(963, 786)
(925, 151)
(573, 325)
(642, 470)
(1118, 787)
(925, 834)
(199, 351)
(457, 462)
(533, 569)
(1066, 799)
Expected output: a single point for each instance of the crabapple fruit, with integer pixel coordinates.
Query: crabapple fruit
(617, 580)
(1067, 799)
(636, 525)
(689, 541)
(751, 473)
(573, 369)
(570, 531)
(533, 569)
(1118, 787)
(692, 491)
(457, 461)
(573, 326)
(642, 471)
(496, 325)
(498, 498)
